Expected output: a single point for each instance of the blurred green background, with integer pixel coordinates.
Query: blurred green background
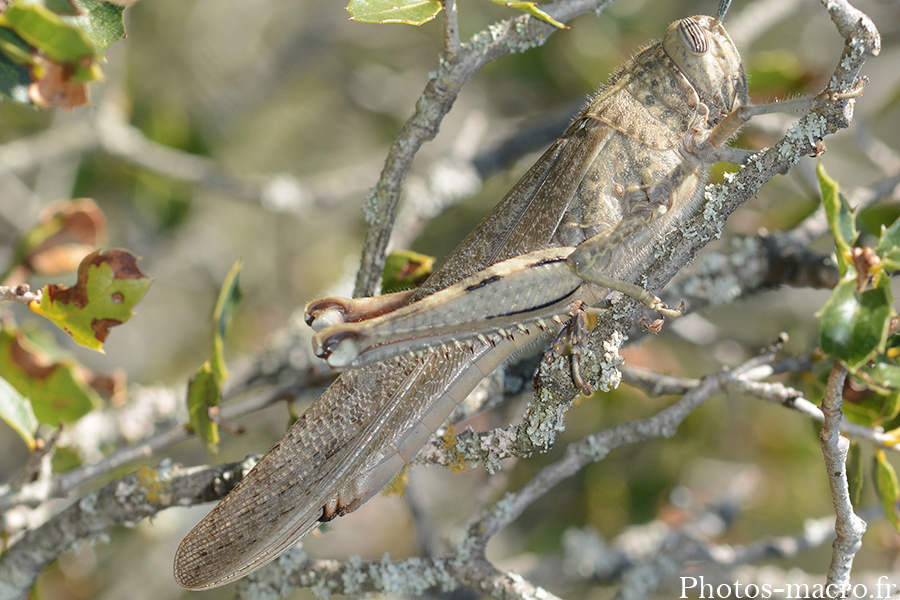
(294, 87)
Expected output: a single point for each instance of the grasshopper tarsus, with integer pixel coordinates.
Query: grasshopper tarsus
(829, 96)
(651, 326)
(659, 306)
(570, 342)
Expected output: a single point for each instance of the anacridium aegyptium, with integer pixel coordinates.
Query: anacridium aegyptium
(633, 164)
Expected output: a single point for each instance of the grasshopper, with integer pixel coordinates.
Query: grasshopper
(582, 220)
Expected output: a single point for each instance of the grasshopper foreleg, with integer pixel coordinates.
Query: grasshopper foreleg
(715, 139)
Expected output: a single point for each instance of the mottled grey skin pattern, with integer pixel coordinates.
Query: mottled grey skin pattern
(631, 165)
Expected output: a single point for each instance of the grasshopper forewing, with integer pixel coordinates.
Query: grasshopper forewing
(585, 217)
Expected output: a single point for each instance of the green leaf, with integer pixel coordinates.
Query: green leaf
(61, 43)
(48, 32)
(532, 9)
(14, 78)
(56, 387)
(404, 270)
(229, 296)
(883, 375)
(62, 7)
(870, 407)
(841, 219)
(853, 326)
(108, 287)
(15, 48)
(17, 412)
(411, 12)
(205, 387)
(855, 473)
(887, 487)
(204, 393)
(888, 247)
(101, 21)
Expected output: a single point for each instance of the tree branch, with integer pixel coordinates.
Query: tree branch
(122, 502)
(20, 294)
(848, 526)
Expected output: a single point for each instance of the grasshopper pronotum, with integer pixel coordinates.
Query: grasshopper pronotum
(632, 165)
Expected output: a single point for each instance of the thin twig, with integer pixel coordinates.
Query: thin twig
(451, 31)
(124, 501)
(20, 294)
(848, 526)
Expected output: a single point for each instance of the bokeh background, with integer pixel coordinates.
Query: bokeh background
(293, 88)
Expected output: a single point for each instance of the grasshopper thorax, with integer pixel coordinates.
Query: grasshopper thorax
(704, 52)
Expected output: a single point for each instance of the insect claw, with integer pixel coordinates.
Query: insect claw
(654, 326)
(665, 311)
(579, 382)
(819, 150)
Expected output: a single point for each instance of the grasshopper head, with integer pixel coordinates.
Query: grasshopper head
(700, 46)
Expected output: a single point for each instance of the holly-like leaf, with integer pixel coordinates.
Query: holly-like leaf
(61, 58)
(871, 406)
(887, 487)
(204, 392)
(101, 21)
(532, 9)
(854, 325)
(888, 247)
(48, 32)
(57, 388)
(17, 412)
(51, 50)
(411, 12)
(109, 285)
(884, 375)
(841, 219)
(229, 296)
(404, 270)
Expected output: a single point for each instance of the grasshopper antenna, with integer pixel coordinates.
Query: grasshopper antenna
(723, 8)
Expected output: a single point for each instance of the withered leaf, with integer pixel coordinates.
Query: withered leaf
(109, 285)
(56, 86)
(66, 232)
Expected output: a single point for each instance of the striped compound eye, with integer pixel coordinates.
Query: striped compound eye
(692, 37)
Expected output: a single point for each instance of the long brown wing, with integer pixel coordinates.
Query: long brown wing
(369, 412)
